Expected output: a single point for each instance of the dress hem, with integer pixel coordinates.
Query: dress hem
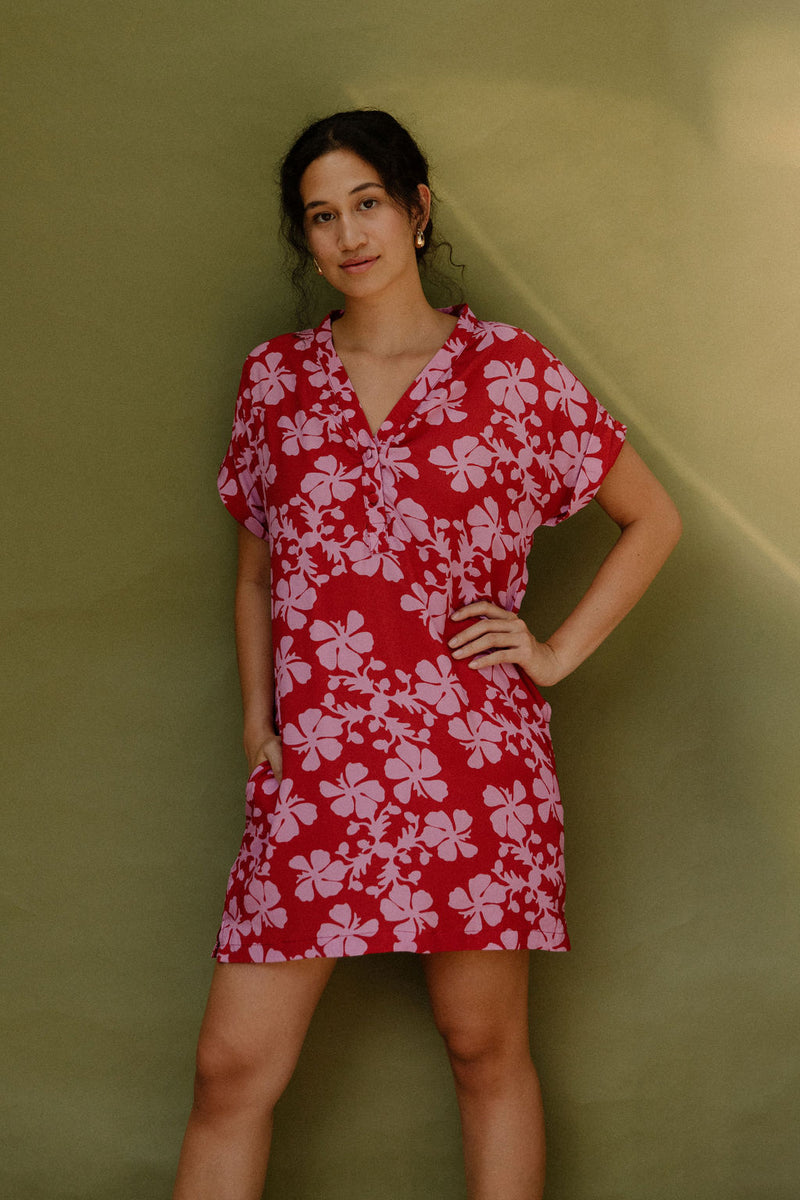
(559, 943)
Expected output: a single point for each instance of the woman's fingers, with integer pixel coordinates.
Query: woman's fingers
(498, 636)
(493, 639)
(479, 608)
(488, 639)
(509, 627)
(493, 649)
(490, 660)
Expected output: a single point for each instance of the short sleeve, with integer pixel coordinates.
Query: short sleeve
(245, 468)
(584, 441)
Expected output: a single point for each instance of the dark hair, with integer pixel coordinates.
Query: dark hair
(382, 142)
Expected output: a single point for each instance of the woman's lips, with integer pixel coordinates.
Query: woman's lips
(356, 266)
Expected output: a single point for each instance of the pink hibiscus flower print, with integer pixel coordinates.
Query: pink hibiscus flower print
(479, 734)
(318, 375)
(316, 736)
(443, 403)
(416, 768)
(329, 482)
(513, 816)
(342, 645)
(545, 788)
(409, 912)
(486, 529)
(429, 603)
(465, 464)
(396, 461)
(288, 815)
(302, 433)
(509, 940)
(354, 792)
(483, 904)
(256, 953)
(513, 388)
(270, 380)
(289, 667)
(234, 926)
(387, 562)
(575, 456)
(411, 521)
(549, 925)
(343, 934)
(439, 685)
(448, 834)
(566, 393)
(320, 874)
(495, 331)
(261, 902)
(293, 597)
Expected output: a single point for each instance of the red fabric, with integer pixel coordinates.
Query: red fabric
(419, 808)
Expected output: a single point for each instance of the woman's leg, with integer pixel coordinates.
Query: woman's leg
(252, 1033)
(480, 1005)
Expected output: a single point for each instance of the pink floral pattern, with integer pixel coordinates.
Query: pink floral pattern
(419, 808)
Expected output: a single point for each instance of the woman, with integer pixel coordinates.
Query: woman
(388, 471)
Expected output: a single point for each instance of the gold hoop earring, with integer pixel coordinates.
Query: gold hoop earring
(317, 267)
(419, 239)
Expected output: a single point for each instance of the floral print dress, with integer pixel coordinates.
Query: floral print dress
(419, 807)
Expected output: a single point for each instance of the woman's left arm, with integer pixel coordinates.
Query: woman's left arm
(650, 527)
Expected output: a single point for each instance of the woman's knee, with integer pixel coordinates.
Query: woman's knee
(483, 1055)
(229, 1076)
(253, 1031)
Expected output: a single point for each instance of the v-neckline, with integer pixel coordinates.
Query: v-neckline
(404, 405)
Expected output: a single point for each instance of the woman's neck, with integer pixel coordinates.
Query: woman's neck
(390, 322)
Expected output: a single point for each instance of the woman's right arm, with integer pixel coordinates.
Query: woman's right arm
(254, 652)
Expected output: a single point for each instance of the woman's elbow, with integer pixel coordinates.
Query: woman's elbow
(673, 523)
(666, 526)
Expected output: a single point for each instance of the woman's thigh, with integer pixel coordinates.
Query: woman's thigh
(257, 1016)
(480, 999)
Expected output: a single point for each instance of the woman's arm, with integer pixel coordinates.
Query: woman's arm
(650, 525)
(254, 652)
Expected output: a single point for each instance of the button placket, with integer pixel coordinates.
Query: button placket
(373, 495)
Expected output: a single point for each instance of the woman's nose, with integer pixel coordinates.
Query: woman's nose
(351, 235)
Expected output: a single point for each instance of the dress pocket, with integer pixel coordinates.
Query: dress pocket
(257, 769)
(260, 791)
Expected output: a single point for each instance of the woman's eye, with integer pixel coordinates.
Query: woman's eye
(369, 202)
(322, 218)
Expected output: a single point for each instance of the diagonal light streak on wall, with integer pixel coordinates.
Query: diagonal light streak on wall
(621, 403)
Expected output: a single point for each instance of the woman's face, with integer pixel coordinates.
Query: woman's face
(362, 239)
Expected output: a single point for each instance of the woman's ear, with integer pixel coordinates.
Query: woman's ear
(422, 215)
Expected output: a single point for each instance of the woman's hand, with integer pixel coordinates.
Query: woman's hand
(499, 636)
(264, 748)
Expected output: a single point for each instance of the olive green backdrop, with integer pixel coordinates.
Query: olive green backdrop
(624, 180)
